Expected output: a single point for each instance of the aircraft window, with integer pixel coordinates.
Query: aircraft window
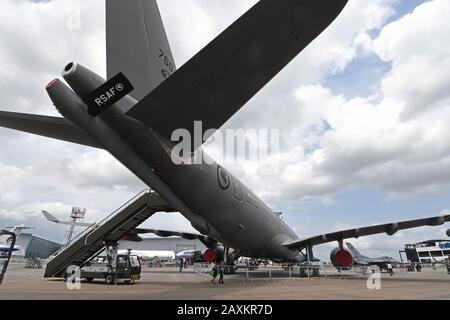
(424, 254)
(237, 191)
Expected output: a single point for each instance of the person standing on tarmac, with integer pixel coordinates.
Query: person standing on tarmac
(221, 272)
(390, 269)
(213, 273)
(181, 264)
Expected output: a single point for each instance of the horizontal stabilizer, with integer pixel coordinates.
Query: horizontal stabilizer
(50, 127)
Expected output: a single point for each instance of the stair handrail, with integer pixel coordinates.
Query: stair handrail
(125, 205)
(94, 226)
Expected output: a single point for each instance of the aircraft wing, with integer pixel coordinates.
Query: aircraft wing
(390, 229)
(51, 127)
(213, 85)
(184, 235)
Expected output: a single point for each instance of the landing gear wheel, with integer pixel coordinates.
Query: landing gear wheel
(110, 279)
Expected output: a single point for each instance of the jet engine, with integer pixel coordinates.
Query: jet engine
(84, 81)
(341, 258)
(132, 236)
(217, 253)
(448, 232)
(213, 254)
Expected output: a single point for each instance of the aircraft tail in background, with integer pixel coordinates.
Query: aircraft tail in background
(353, 250)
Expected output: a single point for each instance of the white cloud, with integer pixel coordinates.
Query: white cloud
(417, 47)
(370, 141)
(37, 43)
(192, 24)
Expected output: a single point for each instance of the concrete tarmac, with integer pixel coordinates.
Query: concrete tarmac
(168, 284)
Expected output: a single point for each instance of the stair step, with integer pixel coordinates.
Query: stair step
(118, 224)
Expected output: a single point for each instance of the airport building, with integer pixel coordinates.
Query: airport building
(36, 247)
(428, 251)
(175, 244)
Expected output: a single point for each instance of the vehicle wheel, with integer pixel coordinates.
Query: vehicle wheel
(109, 279)
(89, 279)
(127, 281)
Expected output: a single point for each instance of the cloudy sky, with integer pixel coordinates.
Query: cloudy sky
(363, 114)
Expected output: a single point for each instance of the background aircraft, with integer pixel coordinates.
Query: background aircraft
(134, 114)
(50, 217)
(185, 254)
(151, 254)
(132, 236)
(360, 260)
(6, 240)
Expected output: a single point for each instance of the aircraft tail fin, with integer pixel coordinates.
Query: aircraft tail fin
(50, 217)
(353, 250)
(137, 44)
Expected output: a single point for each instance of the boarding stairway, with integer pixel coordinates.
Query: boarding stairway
(113, 228)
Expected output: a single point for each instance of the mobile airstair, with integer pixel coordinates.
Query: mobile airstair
(113, 228)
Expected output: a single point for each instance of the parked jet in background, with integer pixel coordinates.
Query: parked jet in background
(136, 126)
(150, 254)
(5, 240)
(4, 248)
(360, 260)
(186, 254)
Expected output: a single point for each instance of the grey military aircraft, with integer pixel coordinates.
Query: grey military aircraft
(360, 260)
(135, 112)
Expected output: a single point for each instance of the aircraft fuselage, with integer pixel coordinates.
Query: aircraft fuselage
(215, 202)
(224, 209)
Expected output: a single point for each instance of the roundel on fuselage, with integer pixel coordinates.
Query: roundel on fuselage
(223, 178)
